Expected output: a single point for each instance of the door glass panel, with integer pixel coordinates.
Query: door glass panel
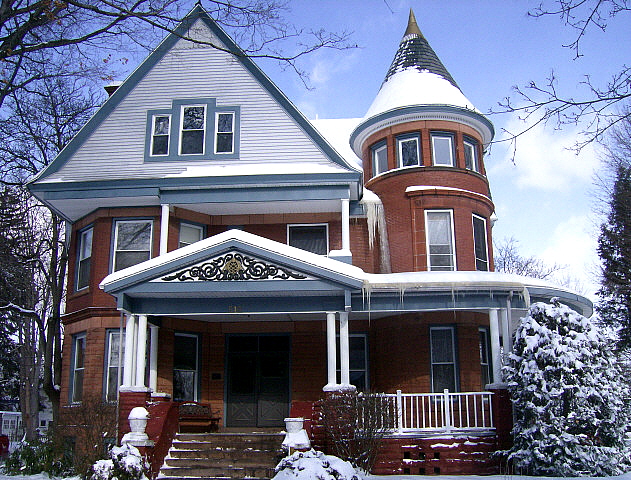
(243, 375)
(274, 344)
(243, 344)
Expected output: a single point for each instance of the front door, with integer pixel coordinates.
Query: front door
(257, 376)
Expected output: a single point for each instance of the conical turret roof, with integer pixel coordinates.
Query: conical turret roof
(417, 77)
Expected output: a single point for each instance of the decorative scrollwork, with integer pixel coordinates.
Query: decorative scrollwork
(234, 266)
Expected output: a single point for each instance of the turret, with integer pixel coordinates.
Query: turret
(422, 144)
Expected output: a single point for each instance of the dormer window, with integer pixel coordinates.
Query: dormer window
(193, 130)
(160, 134)
(408, 152)
(471, 154)
(443, 149)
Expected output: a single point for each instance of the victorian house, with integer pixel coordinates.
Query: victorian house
(225, 250)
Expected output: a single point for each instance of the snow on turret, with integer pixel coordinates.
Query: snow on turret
(417, 77)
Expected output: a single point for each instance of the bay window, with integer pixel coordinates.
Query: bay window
(84, 258)
(480, 244)
(471, 154)
(443, 149)
(408, 152)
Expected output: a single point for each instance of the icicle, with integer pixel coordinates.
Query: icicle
(376, 222)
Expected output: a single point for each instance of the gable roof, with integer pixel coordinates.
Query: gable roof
(337, 164)
(238, 267)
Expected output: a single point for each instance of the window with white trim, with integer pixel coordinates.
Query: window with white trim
(439, 230)
(443, 149)
(471, 161)
(224, 132)
(185, 367)
(311, 237)
(480, 245)
(84, 258)
(358, 361)
(443, 359)
(485, 358)
(160, 134)
(114, 354)
(379, 158)
(408, 151)
(192, 129)
(77, 368)
(132, 242)
(190, 233)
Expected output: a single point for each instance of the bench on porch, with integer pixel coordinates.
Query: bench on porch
(197, 417)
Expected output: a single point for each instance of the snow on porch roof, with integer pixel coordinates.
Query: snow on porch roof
(346, 276)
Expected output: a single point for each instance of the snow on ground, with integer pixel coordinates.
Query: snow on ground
(626, 476)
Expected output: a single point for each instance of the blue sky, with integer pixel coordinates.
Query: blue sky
(545, 199)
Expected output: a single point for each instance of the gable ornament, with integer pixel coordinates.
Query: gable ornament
(234, 266)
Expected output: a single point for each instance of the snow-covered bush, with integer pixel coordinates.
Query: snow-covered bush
(125, 463)
(314, 465)
(41, 455)
(567, 392)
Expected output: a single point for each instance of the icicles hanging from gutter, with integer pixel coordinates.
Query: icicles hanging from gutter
(376, 219)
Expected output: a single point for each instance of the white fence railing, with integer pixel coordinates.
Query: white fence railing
(442, 412)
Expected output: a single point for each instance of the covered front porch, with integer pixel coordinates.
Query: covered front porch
(259, 330)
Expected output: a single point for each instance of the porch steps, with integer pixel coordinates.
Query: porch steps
(220, 456)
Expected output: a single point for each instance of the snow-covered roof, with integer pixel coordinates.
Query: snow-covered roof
(417, 77)
(337, 132)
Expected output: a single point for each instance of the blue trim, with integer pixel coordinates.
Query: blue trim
(397, 112)
(148, 187)
(137, 75)
(174, 128)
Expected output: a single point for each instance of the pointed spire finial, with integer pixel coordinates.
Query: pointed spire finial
(412, 26)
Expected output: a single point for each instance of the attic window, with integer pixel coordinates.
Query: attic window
(160, 134)
(193, 130)
(224, 135)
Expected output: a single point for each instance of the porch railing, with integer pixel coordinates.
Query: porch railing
(441, 412)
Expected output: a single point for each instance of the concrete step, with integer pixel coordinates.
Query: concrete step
(218, 453)
(218, 471)
(243, 461)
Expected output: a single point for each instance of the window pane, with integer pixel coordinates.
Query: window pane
(439, 238)
(479, 240)
(442, 150)
(185, 353)
(224, 122)
(443, 377)
(128, 259)
(380, 159)
(470, 156)
(79, 352)
(192, 141)
(160, 145)
(309, 237)
(193, 118)
(86, 244)
(77, 388)
(189, 234)
(183, 385)
(357, 354)
(161, 126)
(442, 345)
(133, 235)
(409, 152)
(224, 142)
(83, 278)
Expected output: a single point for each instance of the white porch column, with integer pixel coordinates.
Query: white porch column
(331, 362)
(128, 366)
(164, 229)
(153, 358)
(346, 236)
(507, 339)
(495, 345)
(141, 350)
(344, 350)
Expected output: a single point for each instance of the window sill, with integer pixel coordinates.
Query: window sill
(79, 293)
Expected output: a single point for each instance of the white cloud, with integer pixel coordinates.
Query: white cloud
(573, 243)
(544, 159)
